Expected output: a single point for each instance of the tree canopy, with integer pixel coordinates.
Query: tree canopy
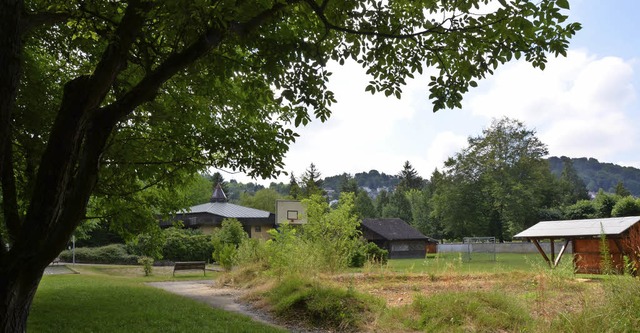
(102, 99)
(496, 185)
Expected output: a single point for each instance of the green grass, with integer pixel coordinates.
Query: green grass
(320, 305)
(113, 299)
(465, 312)
(453, 263)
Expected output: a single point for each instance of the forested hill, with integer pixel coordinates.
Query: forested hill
(597, 175)
(372, 179)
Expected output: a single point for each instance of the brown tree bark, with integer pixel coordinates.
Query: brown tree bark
(18, 284)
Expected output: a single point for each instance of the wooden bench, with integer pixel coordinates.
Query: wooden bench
(189, 265)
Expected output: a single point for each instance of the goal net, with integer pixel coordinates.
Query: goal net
(480, 248)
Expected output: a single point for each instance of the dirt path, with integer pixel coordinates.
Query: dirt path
(222, 298)
(227, 299)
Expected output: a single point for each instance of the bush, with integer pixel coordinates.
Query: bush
(375, 254)
(627, 206)
(148, 244)
(186, 245)
(328, 307)
(368, 252)
(110, 254)
(147, 265)
(225, 242)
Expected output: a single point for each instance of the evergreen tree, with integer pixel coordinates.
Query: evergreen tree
(572, 187)
(311, 182)
(216, 179)
(294, 189)
(409, 178)
(621, 190)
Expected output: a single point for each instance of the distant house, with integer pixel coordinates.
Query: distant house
(622, 236)
(209, 216)
(398, 237)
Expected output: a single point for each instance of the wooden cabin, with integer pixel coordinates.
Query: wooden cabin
(398, 237)
(621, 235)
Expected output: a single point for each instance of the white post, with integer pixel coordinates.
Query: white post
(73, 251)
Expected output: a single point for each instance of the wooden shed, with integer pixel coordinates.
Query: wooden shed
(622, 236)
(398, 237)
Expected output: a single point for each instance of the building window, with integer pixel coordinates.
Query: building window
(258, 229)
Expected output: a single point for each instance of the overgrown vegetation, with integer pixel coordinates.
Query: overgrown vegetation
(226, 241)
(466, 312)
(323, 306)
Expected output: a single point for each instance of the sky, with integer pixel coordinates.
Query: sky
(584, 105)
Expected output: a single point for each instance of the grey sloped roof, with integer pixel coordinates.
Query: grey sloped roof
(226, 209)
(579, 228)
(393, 229)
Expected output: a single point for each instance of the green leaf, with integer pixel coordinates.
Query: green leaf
(564, 4)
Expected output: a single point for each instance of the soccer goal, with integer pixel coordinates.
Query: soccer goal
(480, 248)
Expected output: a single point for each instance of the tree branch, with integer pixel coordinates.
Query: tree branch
(34, 20)
(438, 29)
(148, 87)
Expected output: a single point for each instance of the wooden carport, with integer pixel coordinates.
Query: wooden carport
(584, 236)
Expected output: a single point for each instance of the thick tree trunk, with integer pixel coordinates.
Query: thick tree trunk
(10, 46)
(18, 285)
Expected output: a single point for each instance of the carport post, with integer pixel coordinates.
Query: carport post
(544, 255)
(564, 247)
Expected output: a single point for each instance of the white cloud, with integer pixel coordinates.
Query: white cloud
(444, 145)
(578, 104)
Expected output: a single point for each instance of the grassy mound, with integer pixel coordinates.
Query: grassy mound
(321, 305)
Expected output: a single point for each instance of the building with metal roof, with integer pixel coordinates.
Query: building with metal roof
(398, 237)
(209, 216)
(621, 235)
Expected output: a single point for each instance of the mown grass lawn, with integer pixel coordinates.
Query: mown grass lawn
(115, 299)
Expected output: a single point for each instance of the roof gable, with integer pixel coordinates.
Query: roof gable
(579, 228)
(393, 229)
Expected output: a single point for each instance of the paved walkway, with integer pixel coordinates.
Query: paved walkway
(222, 298)
(58, 269)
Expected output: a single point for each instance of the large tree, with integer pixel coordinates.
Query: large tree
(497, 184)
(102, 99)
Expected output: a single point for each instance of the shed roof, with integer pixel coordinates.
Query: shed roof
(579, 228)
(393, 229)
(229, 210)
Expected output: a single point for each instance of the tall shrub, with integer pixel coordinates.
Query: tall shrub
(186, 245)
(335, 227)
(226, 241)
